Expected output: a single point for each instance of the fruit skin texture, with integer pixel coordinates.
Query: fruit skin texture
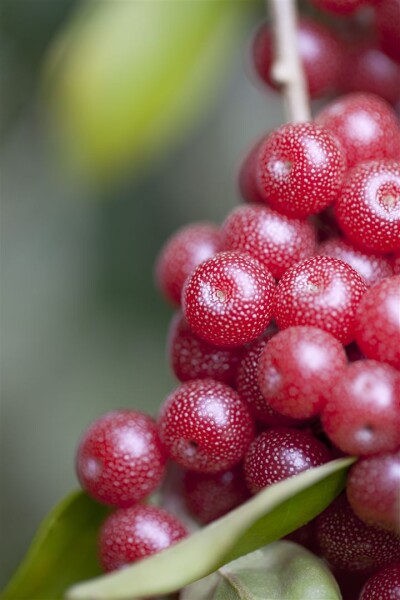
(320, 53)
(365, 125)
(371, 267)
(368, 210)
(181, 254)
(297, 369)
(120, 458)
(349, 544)
(373, 490)
(300, 169)
(362, 414)
(388, 27)
(383, 585)
(209, 496)
(320, 292)
(228, 299)
(193, 358)
(131, 534)
(275, 240)
(205, 426)
(280, 453)
(377, 323)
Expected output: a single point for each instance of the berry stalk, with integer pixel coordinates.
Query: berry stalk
(287, 70)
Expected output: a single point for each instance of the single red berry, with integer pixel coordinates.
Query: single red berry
(320, 292)
(366, 126)
(350, 544)
(205, 426)
(371, 267)
(247, 180)
(120, 459)
(280, 453)
(384, 585)
(278, 242)
(343, 8)
(297, 369)
(249, 390)
(209, 496)
(388, 27)
(377, 323)
(319, 49)
(131, 534)
(300, 169)
(368, 210)
(181, 254)
(362, 415)
(368, 69)
(373, 490)
(228, 299)
(193, 358)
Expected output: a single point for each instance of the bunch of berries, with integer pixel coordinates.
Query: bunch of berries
(286, 343)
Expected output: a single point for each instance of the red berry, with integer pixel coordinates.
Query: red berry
(280, 453)
(362, 415)
(388, 27)
(373, 490)
(350, 544)
(120, 459)
(211, 495)
(247, 176)
(366, 126)
(205, 426)
(341, 7)
(275, 240)
(297, 369)
(300, 169)
(377, 323)
(371, 267)
(384, 585)
(228, 299)
(368, 69)
(134, 533)
(368, 210)
(320, 292)
(181, 254)
(249, 390)
(193, 358)
(320, 53)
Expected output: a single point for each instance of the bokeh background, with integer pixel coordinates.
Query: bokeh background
(121, 121)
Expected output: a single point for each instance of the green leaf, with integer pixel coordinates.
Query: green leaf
(278, 571)
(268, 516)
(126, 80)
(63, 551)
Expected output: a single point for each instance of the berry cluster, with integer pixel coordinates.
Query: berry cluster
(285, 341)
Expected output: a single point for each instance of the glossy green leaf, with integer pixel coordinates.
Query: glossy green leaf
(268, 516)
(278, 571)
(127, 79)
(63, 551)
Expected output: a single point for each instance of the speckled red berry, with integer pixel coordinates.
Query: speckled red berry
(366, 126)
(278, 242)
(134, 533)
(350, 544)
(297, 369)
(362, 415)
(377, 323)
(384, 585)
(280, 453)
(228, 299)
(320, 292)
(181, 254)
(205, 426)
(120, 459)
(388, 27)
(368, 210)
(300, 169)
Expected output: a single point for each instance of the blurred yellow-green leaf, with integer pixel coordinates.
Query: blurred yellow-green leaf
(127, 79)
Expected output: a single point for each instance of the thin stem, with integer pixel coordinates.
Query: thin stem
(287, 69)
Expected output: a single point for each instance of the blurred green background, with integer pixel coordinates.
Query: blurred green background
(121, 121)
